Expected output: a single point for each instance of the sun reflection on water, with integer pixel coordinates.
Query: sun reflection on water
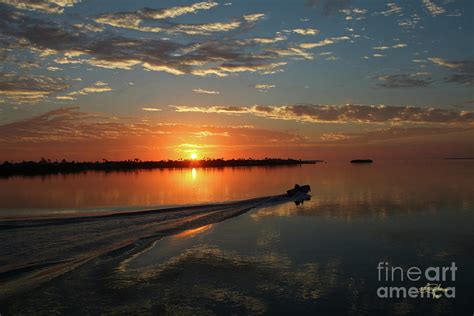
(192, 232)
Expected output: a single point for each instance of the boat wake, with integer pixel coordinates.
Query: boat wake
(33, 251)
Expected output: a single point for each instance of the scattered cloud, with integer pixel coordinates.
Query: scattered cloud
(327, 41)
(152, 109)
(329, 7)
(433, 8)
(393, 9)
(332, 58)
(444, 63)
(140, 20)
(253, 17)
(75, 46)
(381, 47)
(97, 87)
(410, 22)
(67, 130)
(308, 31)
(295, 52)
(133, 20)
(203, 91)
(65, 98)
(400, 45)
(403, 81)
(349, 113)
(390, 133)
(354, 14)
(30, 88)
(89, 27)
(463, 70)
(264, 87)
(47, 6)
(226, 69)
(263, 40)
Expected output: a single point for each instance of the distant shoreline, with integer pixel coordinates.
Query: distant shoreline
(48, 167)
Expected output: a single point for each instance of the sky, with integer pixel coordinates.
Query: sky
(309, 79)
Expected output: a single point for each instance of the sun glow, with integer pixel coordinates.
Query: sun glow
(194, 156)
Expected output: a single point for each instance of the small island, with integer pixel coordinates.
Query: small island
(362, 161)
(46, 166)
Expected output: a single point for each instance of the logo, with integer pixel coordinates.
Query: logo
(433, 277)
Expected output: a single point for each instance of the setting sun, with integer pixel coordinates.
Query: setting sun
(193, 156)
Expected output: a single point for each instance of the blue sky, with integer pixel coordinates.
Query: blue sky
(193, 61)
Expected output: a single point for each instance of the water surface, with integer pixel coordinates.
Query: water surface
(319, 258)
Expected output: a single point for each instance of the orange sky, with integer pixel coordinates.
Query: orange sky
(71, 134)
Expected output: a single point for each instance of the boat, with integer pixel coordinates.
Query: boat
(362, 161)
(305, 189)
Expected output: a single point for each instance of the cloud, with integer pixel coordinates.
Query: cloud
(203, 91)
(356, 13)
(400, 45)
(463, 70)
(178, 11)
(89, 27)
(73, 45)
(393, 8)
(229, 68)
(381, 47)
(433, 8)
(133, 20)
(140, 20)
(29, 88)
(342, 114)
(72, 134)
(308, 31)
(47, 6)
(329, 7)
(327, 41)
(443, 63)
(264, 87)
(97, 87)
(152, 109)
(293, 52)
(263, 40)
(403, 81)
(65, 98)
(203, 134)
(391, 133)
(253, 17)
(14, 84)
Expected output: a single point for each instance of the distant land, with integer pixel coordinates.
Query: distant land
(46, 166)
(459, 158)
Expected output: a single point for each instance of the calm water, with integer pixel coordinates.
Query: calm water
(319, 258)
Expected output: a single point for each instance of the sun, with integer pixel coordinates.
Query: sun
(194, 156)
